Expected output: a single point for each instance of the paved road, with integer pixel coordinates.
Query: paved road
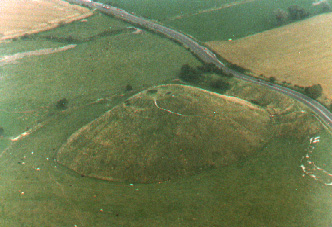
(206, 55)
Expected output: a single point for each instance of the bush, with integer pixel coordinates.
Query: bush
(238, 68)
(189, 74)
(62, 104)
(297, 12)
(207, 68)
(315, 91)
(220, 84)
(272, 79)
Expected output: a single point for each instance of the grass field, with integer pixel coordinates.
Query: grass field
(262, 189)
(240, 19)
(92, 70)
(266, 188)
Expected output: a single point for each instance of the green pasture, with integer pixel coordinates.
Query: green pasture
(92, 70)
(231, 22)
(263, 189)
(162, 10)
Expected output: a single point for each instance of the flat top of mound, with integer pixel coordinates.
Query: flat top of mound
(17, 19)
(299, 53)
(164, 133)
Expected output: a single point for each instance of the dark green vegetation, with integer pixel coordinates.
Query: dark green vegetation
(272, 79)
(238, 68)
(207, 76)
(314, 91)
(128, 87)
(297, 12)
(62, 104)
(219, 84)
(189, 73)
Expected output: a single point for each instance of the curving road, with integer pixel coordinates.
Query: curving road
(206, 55)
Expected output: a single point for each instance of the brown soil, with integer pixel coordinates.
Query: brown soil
(299, 53)
(20, 17)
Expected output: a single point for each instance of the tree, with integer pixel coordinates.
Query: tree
(272, 79)
(238, 68)
(189, 74)
(220, 84)
(314, 91)
(208, 68)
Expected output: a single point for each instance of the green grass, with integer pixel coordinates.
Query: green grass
(92, 70)
(265, 189)
(95, 25)
(103, 66)
(233, 22)
(161, 10)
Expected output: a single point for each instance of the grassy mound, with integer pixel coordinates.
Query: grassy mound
(165, 133)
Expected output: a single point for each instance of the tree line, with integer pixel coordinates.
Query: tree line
(194, 74)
